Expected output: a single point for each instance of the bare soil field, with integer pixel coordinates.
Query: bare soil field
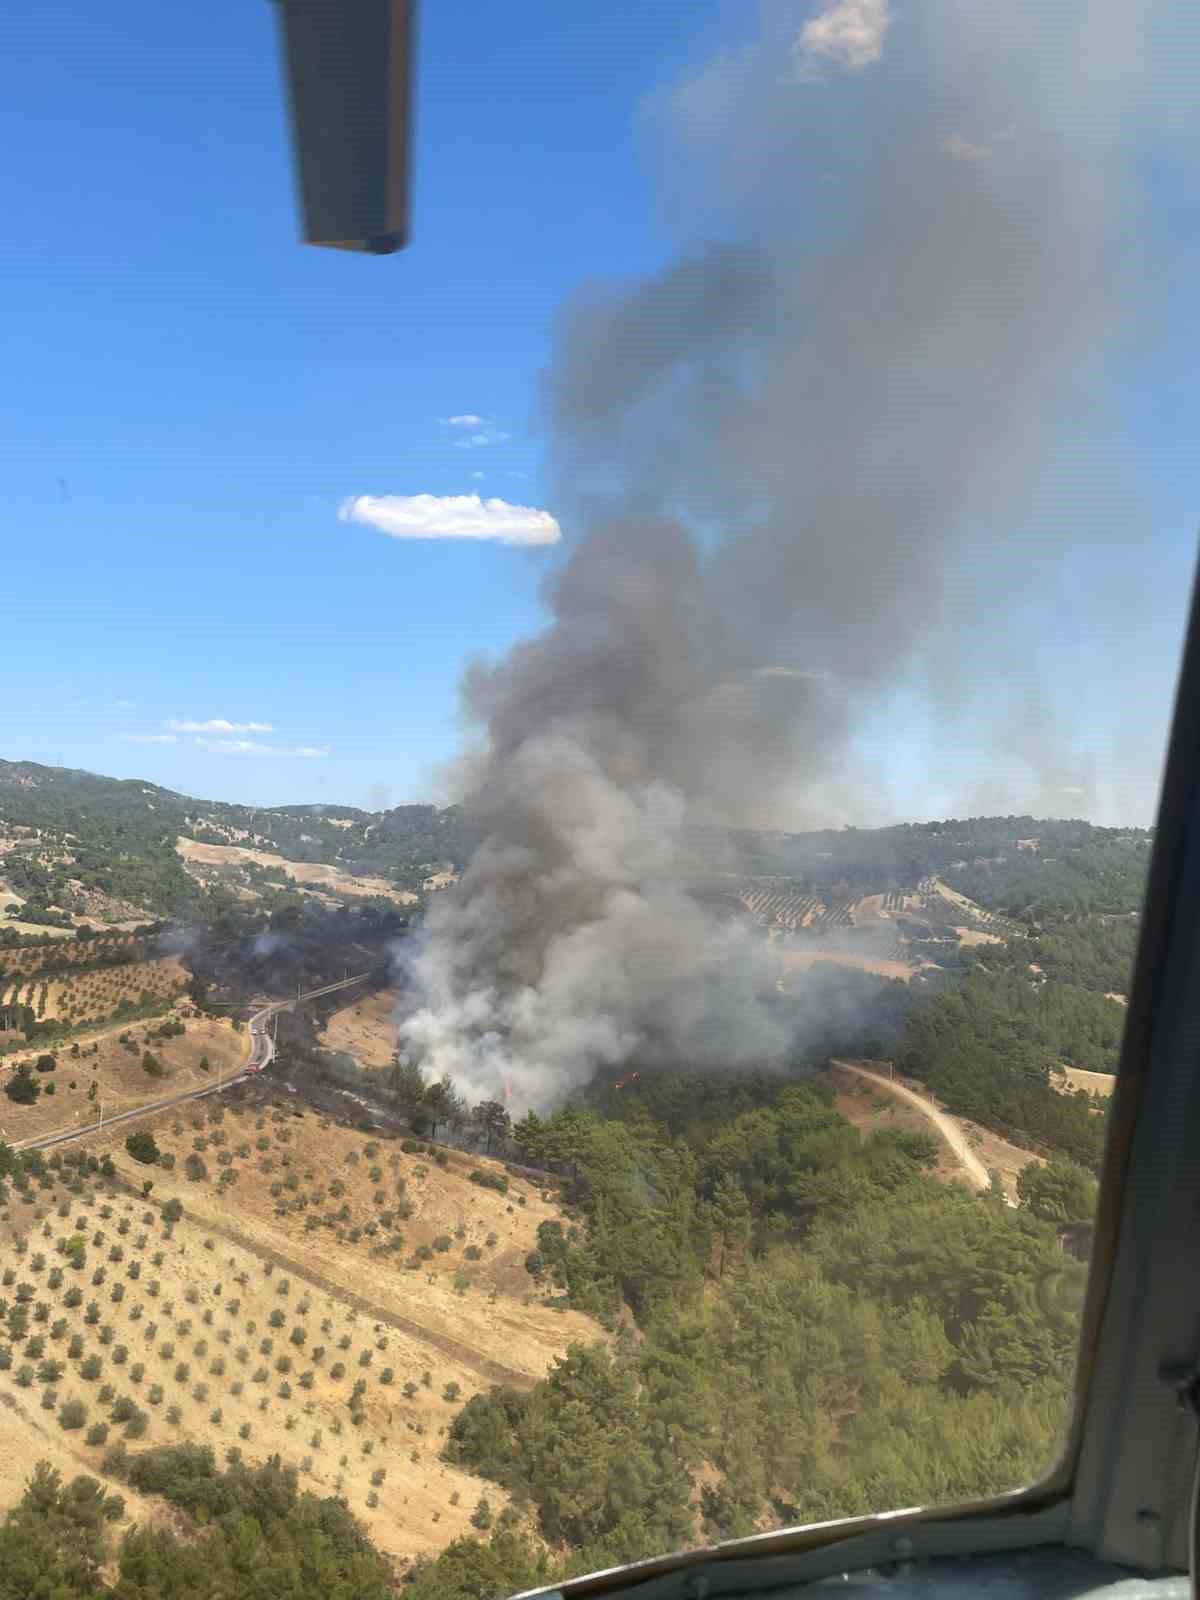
(117, 1071)
(1080, 1078)
(873, 912)
(971, 936)
(306, 873)
(365, 1030)
(246, 1328)
(801, 960)
(998, 1155)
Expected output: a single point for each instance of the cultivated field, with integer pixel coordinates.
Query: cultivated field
(77, 998)
(365, 1030)
(313, 875)
(333, 1301)
(25, 960)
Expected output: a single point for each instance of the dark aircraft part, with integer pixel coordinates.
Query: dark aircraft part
(349, 73)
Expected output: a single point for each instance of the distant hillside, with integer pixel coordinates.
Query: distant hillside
(1017, 865)
(106, 847)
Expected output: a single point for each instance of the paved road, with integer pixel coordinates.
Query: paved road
(949, 1130)
(262, 1053)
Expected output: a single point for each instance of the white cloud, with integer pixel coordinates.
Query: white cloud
(478, 474)
(451, 516)
(150, 738)
(849, 33)
(218, 725)
(1072, 788)
(963, 150)
(473, 431)
(252, 747)
(817, 674)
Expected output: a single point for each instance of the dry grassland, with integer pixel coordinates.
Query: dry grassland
(312, 874)
(801, 960)
(365, 1030)
(121, 1080)
(1080, 1078)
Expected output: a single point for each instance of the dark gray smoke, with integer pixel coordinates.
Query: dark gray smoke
(809, 465)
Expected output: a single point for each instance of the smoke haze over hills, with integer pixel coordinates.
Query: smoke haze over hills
(813, 470)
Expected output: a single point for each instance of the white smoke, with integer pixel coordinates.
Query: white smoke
(839, 440)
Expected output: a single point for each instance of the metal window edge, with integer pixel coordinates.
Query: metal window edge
(759, 1563)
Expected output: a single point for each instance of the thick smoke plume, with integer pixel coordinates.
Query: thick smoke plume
(805, 469)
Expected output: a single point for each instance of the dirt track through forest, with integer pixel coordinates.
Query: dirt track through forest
(948, 1130)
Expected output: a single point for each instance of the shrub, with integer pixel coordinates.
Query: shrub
(72, 1414)
(489, 1180)
(451, 1392)
(97, 1433)
(142, 1147)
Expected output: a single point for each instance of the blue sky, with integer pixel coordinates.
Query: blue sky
(190, 395)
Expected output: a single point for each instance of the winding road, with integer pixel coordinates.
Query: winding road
(262, 1053)
(946, 1127)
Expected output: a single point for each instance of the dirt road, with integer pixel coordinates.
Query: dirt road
(945, 1126)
